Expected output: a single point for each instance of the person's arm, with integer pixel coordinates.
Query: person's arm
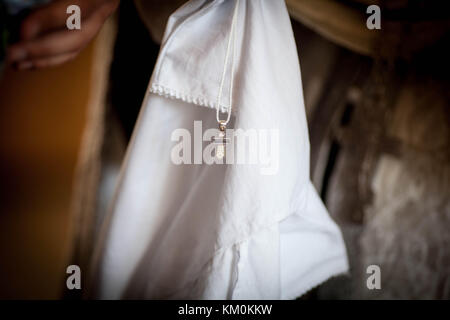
(45, 39)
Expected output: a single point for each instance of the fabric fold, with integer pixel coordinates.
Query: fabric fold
(220, 231)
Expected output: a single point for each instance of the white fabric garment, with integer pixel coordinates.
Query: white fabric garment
(221, 231)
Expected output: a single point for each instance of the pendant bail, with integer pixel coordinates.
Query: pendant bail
(222, 125)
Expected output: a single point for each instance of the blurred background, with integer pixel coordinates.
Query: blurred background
(378, 107)
(43, 115)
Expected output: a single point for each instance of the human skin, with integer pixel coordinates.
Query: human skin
(45, 39)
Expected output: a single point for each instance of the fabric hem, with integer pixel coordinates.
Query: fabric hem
(167, 92)
(319, 276)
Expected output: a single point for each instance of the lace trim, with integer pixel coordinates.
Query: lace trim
(174, 94)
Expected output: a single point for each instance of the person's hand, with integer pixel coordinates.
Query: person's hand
(45, 39)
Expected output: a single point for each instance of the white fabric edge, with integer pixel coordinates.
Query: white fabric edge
(320, 275)
(169, 93)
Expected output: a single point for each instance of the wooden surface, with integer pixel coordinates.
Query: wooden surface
(42, 115)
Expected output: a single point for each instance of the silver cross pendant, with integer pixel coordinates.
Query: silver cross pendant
(221, 141)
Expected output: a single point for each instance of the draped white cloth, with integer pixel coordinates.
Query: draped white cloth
(222, 231)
